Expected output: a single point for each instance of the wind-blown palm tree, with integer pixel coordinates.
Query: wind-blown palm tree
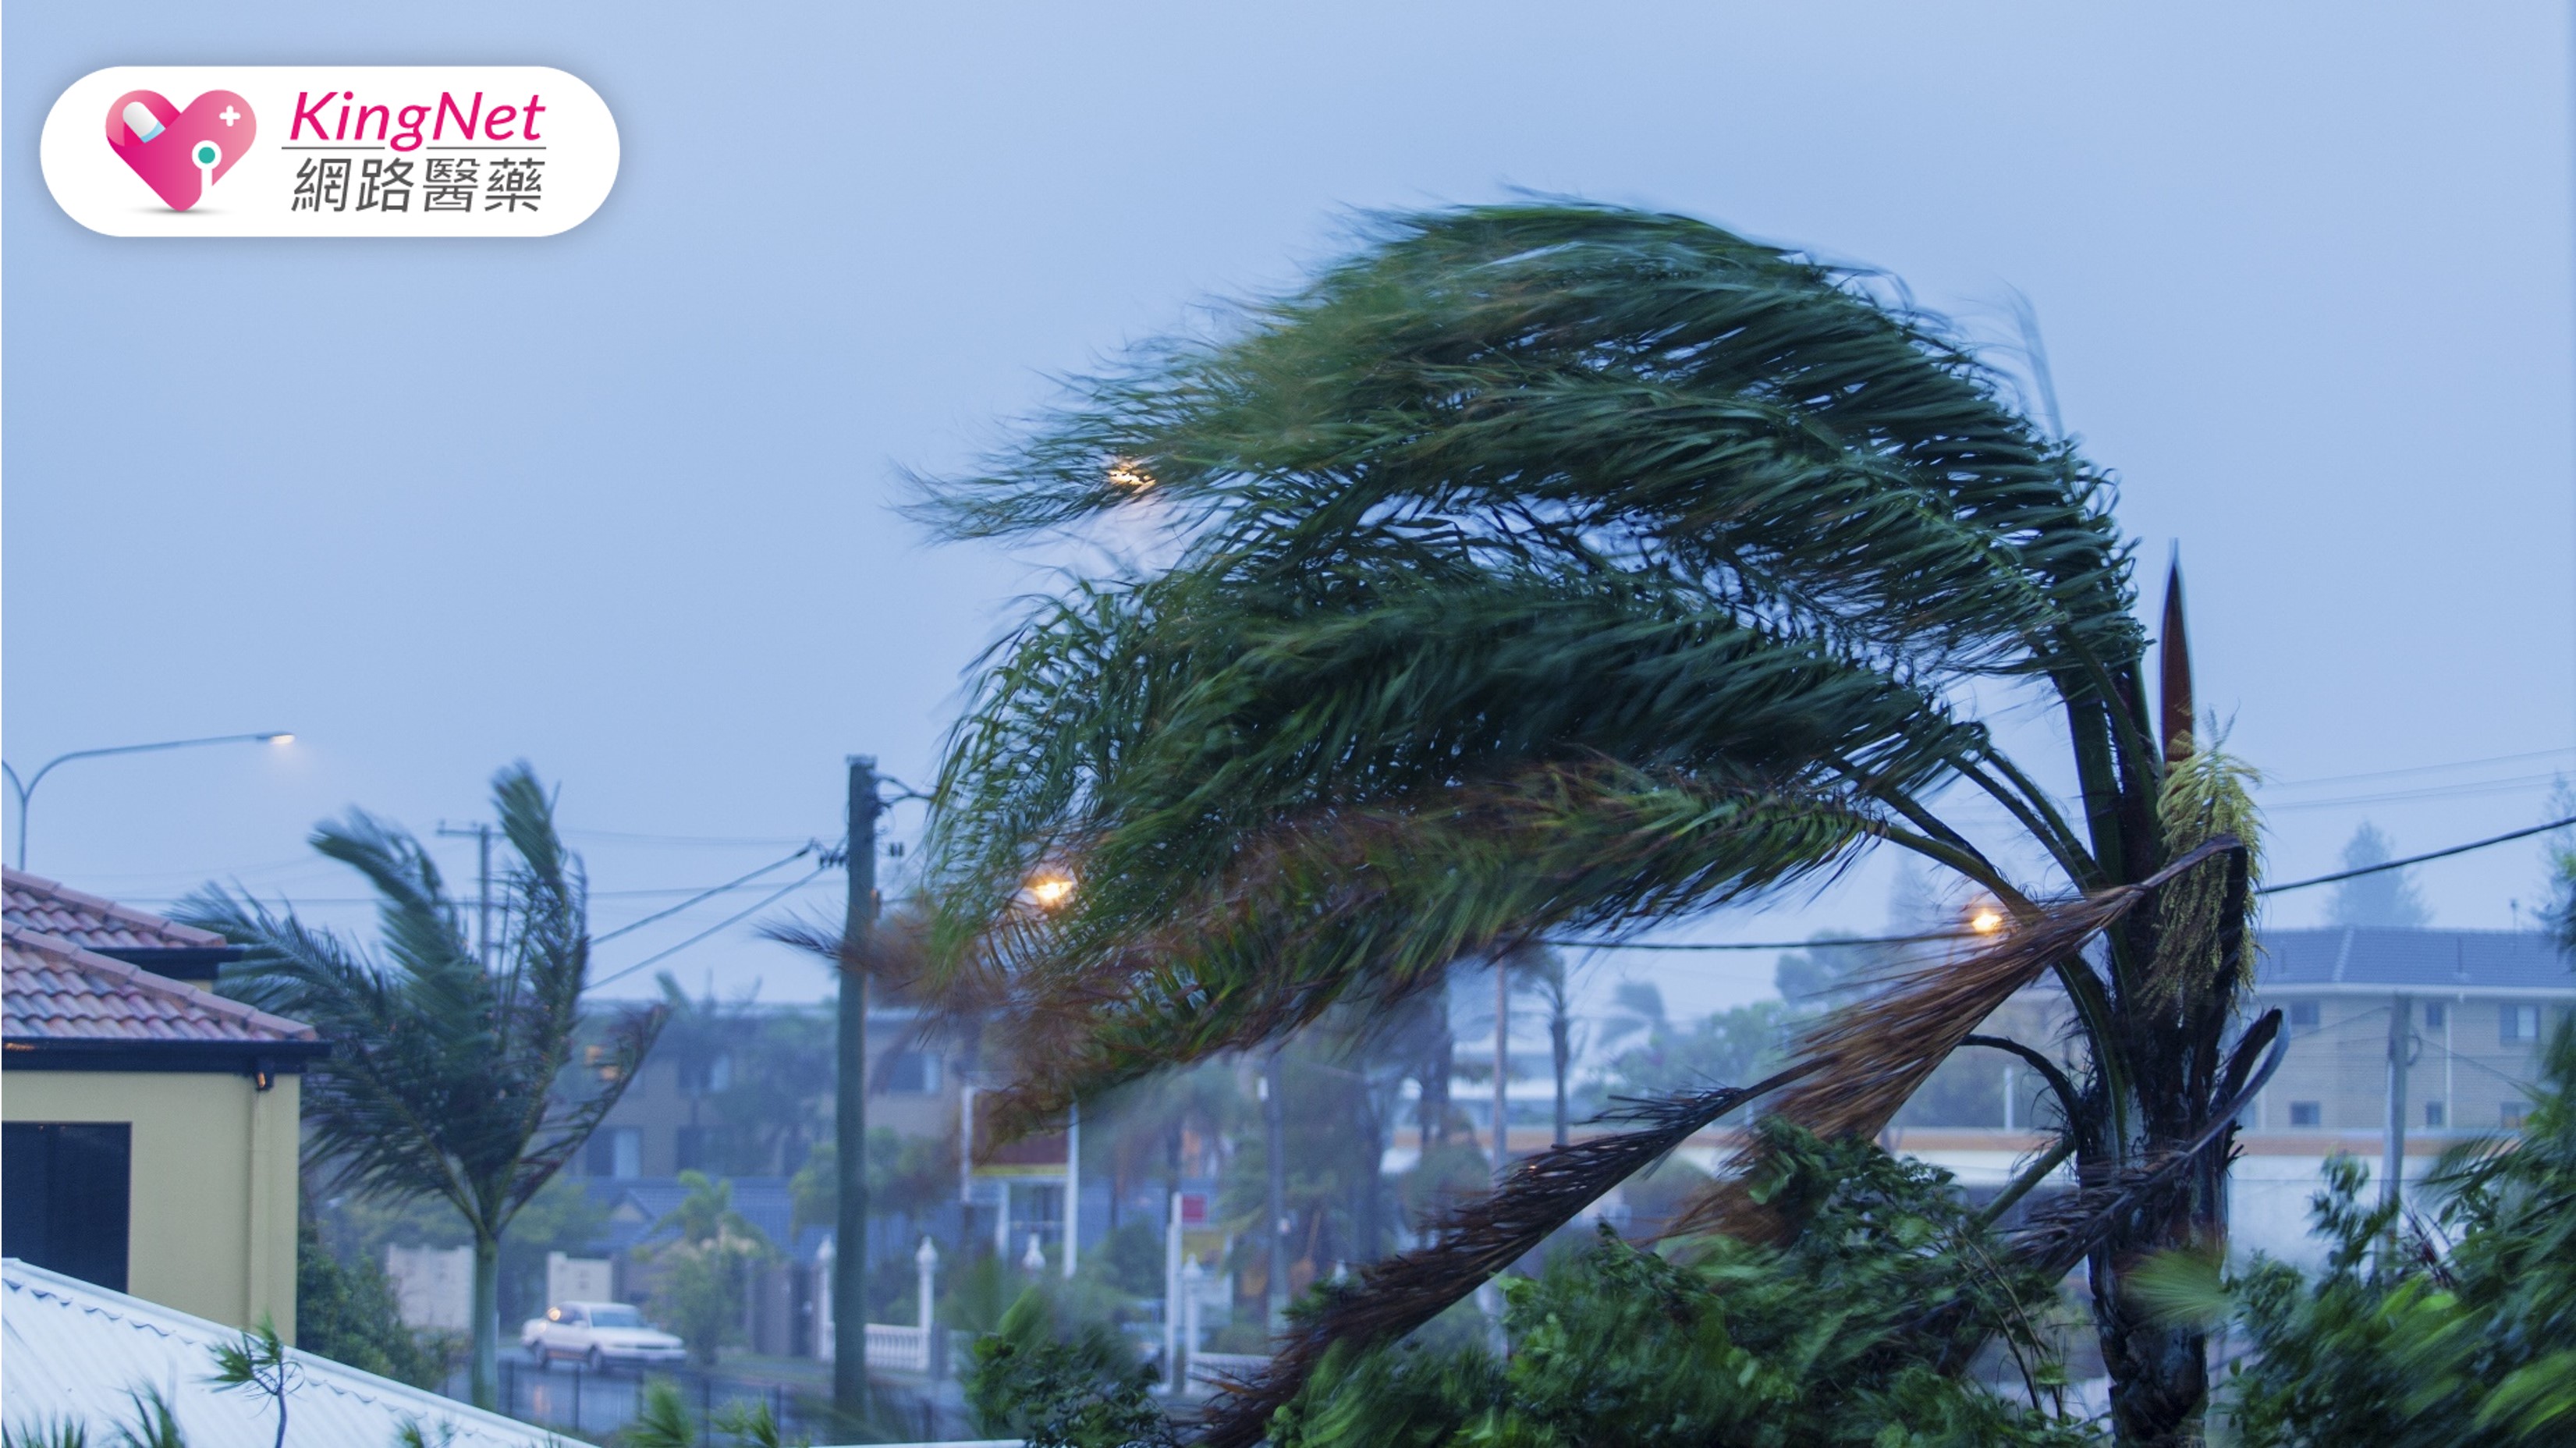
(445, 1079)
(1557, 569)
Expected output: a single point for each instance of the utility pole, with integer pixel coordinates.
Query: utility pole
(1274, 1120)
(1072, 1190)
(2401, 1020)
(1502, 1069)
(481, 834)
(850, 1109)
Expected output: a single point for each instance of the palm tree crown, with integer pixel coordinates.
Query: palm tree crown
(1558, 568)
(447, 1079)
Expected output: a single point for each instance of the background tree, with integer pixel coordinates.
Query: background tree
(1556, 569)
(706, 1266)
(2386, 898)
(445, 1079)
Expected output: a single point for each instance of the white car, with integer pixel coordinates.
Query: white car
(598, 1334)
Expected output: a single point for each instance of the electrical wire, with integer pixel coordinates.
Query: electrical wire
(782, 893)
(810, 847)
(2507, 837)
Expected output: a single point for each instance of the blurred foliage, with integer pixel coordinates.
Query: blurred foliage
(766, 1071)
(706, 1267)
(1129, 1260)
(1056, 1379)
(906, 1174)
(1847, 1336)
(978, 1293)
(347, 1312)
(2401, 1344)
(662, 1420)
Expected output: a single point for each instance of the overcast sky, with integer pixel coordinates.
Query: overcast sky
(619, 501)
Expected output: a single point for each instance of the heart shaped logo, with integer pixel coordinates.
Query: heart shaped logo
(179, 153)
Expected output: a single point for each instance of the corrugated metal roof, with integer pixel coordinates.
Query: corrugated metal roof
(53, 990)
(74, 1349)
(2390, 956)
(92, 923)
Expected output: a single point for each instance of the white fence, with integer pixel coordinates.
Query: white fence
(897, 1349)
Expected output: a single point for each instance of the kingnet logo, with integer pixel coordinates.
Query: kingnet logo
(405, 151)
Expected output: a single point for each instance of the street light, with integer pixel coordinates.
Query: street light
(26, 790)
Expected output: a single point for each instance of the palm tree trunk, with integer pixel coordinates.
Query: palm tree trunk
(483, 1375)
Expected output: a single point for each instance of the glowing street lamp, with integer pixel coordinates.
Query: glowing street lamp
(1985, 920)
(1051, 890)
(26, 790)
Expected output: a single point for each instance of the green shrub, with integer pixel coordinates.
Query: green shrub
(346, 1312)
(2398, 1344)
(1849, 1336)
(1059, 1381)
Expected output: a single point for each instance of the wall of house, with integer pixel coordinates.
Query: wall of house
(2338, 1065)
(212, 1224)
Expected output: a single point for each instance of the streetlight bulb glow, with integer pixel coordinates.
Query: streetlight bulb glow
(1126, 474)
(1051, 891)
(1986, 921)
(281, 738)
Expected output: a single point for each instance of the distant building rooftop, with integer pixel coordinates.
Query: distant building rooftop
(2386, 958)
(119, 931)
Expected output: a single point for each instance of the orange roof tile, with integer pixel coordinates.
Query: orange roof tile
(53, 990)
(35, 903)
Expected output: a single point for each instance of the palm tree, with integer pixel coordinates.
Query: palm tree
(1557, 570)
(445, 1079)
(1545, 970)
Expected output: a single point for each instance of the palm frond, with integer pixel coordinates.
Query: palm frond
(1381, 903)
(1874, 1053)
(2061, 1235)
(1615, 383)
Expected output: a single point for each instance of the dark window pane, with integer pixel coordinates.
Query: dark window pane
(2306, 1113)
(66, 1190)
(704, 1148)
(912, 1073)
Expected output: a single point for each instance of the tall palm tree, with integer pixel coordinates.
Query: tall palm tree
(1557, 569)
(445, 1079)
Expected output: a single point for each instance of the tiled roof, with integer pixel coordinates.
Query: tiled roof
(2387, 957)
(56, 991)
(38, 904)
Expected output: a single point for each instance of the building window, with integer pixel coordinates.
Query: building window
(706, 1076)
(703, 1148)
(2433, 1114)
(912, 1073)
(2303, 1015)
(616, 1152)
(65, 1197)
(2518, 1025)
(2514, 1113)
(2436, 1015)
(2306, 1113)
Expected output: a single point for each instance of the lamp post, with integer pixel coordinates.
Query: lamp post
(26, 789)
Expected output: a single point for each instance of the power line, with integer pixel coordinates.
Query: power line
(782, 893)
(2507, 837)
(810, 847)
(2418, 769)
(2419, 859)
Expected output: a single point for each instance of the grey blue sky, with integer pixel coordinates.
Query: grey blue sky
(619, 501)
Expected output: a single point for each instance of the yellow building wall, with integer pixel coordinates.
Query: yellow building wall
(212, 1220)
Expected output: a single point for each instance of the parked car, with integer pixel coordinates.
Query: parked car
(598, 1333)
